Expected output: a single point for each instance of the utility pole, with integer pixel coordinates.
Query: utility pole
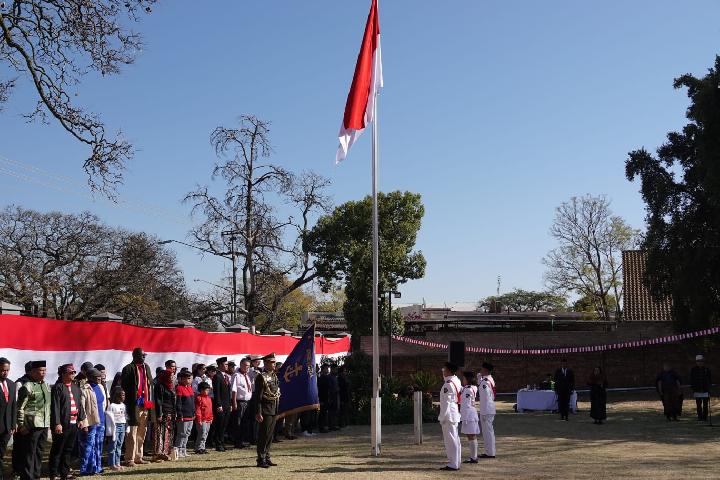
(231, 234)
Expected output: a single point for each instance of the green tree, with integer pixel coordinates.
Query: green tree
(681, 189)
(342, 245)
(527, 301)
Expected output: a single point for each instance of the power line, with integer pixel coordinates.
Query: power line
(67, 185)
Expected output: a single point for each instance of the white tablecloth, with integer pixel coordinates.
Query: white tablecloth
(541, 400)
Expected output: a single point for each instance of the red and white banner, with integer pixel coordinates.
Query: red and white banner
(367, 82)
(563, 350)
(110, 343)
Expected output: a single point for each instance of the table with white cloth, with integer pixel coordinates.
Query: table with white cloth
(541, 400)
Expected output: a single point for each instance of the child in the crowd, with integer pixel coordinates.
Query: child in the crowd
(203, 416)
(185, 411)
(115, 427)
(469, 414)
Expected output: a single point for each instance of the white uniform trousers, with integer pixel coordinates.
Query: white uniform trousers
(488, 433)
(452, 443)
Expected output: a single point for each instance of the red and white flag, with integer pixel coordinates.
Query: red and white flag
(367, 82)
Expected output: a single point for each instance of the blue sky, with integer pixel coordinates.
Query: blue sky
(496, 112)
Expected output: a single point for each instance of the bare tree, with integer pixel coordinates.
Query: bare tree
(267, 245)
(52, 44)
(73, 266)
(588, 260)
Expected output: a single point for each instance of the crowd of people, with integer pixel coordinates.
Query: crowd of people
(142, 418)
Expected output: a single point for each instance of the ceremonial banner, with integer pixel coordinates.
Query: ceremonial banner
(110, 343)
(298, 378)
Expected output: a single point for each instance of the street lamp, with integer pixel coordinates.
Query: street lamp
(390, 294)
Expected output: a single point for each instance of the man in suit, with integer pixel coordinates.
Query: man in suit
(564, 386)
(8, 409)
(136, 381)
(221, 403)
(67, 415)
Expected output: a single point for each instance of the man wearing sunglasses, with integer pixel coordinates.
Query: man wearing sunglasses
(66, 417)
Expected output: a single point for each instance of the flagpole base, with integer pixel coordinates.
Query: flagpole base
(375, 430)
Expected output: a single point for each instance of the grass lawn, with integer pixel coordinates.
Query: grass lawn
(637, 442)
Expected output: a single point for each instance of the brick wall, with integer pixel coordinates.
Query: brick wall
(636, 367)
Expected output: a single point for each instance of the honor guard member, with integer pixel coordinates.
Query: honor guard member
(469, 419)
(486, 391)
(450, 415)
(265, 398)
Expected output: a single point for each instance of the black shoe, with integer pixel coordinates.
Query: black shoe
(486, 456)
(262, 465)
(219, 449)
(269, 463)
(449, 468)
(276, 440)
(471, 460)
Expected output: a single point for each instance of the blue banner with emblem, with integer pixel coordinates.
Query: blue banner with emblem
(298, 378)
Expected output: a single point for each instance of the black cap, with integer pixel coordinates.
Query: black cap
(487, 366)
(86, 366)
(38, 364)
(100, 366)
(221, 360)
(451, 366)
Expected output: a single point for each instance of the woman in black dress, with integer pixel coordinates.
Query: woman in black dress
(598, 396)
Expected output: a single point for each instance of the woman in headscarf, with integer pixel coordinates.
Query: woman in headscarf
(598, 396)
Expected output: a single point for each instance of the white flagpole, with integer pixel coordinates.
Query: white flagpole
(375, 420)
(376, 406)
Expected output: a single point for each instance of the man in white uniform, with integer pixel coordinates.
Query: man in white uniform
(486, 391)
(450, 415)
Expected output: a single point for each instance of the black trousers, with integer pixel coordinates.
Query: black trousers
(219, 426)
(4, 439)
(265, 437)
(702, 407)
(564, 404)
(245, 423)
(60, 451)
(30, 450)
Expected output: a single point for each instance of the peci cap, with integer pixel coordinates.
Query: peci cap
(221, 360)
(38, 364)
(487, 366)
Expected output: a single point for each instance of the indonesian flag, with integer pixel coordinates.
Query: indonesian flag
(110, 344)
(366, 84)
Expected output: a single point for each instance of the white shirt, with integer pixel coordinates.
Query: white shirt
(117, 411)
(486, 391)
(468, 412)
(449, 412)
(241, 386)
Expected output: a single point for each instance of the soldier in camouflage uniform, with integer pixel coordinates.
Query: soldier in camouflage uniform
(33, 421)
(265, 399)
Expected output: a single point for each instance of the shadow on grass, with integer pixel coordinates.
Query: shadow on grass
(172, 470)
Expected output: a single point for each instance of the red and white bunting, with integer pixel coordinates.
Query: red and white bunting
(563, 350)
